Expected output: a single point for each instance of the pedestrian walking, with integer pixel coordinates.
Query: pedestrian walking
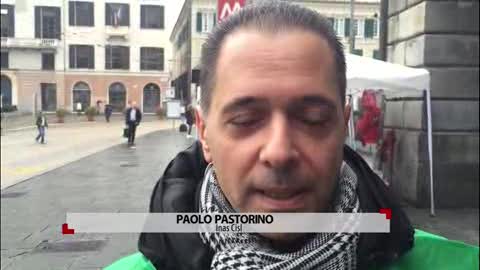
(41, 125)
(99, 103)
(133, 116)
(108, 112)
(190, 119)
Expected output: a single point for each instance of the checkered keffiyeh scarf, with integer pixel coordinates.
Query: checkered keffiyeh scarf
(325, 251)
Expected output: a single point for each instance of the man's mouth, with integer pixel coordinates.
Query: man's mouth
(281, 199)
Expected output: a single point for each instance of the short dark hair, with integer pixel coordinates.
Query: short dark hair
(271, 16)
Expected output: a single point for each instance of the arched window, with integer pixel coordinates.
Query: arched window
(151, 97)
(6, 91)
(117, 95)
(81, 94)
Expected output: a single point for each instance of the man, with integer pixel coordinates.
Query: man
(133, 116)
(272, 126)
(108, 112)
(41, 125)
(190, 119)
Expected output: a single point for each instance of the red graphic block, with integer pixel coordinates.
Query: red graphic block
(66, 230)
(387, 212)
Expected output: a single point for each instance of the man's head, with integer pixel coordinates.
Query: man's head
(134, 104)
(273, 119)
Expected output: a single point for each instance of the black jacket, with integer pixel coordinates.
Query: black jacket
(39, 121)
(178, 191)
(138, 116)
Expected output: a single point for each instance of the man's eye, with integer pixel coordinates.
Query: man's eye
(314, 118)
(244, 121)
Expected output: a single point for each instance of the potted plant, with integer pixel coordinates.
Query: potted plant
(61, 115)
(91, 112)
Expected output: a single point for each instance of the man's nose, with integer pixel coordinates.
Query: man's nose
(279, 150)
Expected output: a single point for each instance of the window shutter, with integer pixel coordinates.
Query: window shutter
(347, 27)
(369, 28)
(58, 24)
(108, 14)
(71, 56)
(142, 17)
(162, 17)
(38, 18)
(127, 20)
(91, 20)
(91, 63)
(199, 22)
(71, 13)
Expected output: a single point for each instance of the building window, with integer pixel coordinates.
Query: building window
(81, 56)
(151, 58)
(47, 22)
(206, 21)
(152, 17)
(151, 98)
(369, 28)
(376, 28)
(117, 57)
(7, 21)
(117, 14)
(358, 27)
(48, 61)
(376, 54)
(49, 97)
(80, 13)
(339, 26)
(182, 37)
(6, 91)
(81, 94)
(4, 59)
(117, 96)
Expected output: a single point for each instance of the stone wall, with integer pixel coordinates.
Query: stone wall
(441, 36)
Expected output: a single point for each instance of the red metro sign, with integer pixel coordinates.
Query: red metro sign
(227, 7)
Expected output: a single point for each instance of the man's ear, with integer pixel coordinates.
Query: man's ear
(201, 123)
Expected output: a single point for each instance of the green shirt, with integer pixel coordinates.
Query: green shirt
(429, 252)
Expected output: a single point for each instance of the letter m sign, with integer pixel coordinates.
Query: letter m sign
(227, 7)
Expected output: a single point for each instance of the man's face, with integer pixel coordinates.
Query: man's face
(276, 126)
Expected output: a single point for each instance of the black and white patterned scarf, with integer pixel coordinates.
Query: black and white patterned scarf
(247, 251)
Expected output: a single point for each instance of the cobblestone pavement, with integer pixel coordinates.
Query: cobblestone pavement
(114, 180)
(23, 158)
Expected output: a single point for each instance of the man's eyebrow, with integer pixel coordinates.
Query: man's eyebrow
(241, 103)
(316, 100)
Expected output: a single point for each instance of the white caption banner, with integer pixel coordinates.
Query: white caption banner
(248, 223)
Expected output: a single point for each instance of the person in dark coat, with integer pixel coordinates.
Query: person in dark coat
(42, 124)
(133, 117)
(190, 118)
(108, 112)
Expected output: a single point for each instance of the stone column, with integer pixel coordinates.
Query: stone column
(443, 37)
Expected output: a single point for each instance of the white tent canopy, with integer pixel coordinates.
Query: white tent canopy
(364, 73)
(367, 73)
